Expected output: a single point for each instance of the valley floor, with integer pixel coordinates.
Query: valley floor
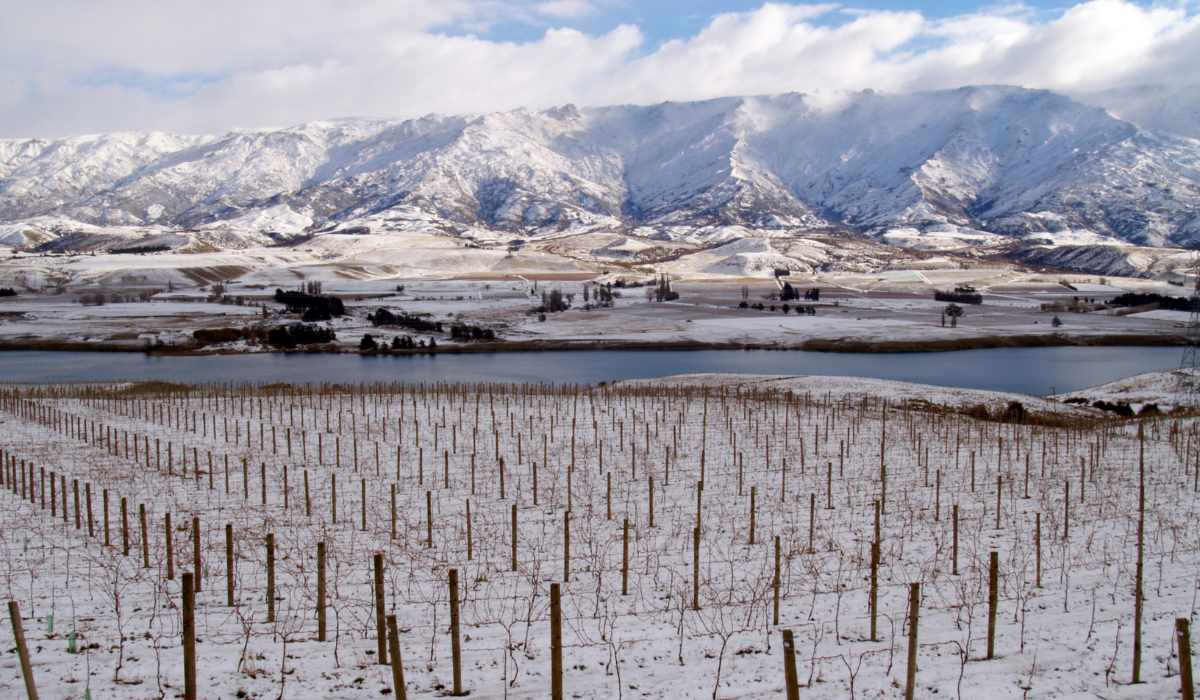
(855, 313)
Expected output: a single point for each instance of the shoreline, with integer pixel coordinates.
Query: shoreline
(830, 345)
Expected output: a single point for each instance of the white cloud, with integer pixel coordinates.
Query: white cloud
(189, 66)
(565, 8)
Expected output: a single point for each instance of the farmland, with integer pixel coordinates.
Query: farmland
(687, 524)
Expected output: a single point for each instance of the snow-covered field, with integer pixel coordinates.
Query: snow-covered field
(804, 458)
(484, 288)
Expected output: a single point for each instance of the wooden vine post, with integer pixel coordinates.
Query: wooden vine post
(455, 650)
(270, 577)
(229, 563)
(1138, 590)
(320, 591)
(556, 661)
(790, 679)
(14, 614)
(993, 603)
(397, 666)
(1183, 639)
(189, 637)
(624, 557)
(196, 554)
(380, 613)
(914, 612)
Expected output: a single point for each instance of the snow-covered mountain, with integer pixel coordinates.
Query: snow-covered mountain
(933, 169)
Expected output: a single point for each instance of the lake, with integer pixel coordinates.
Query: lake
(1038, 371)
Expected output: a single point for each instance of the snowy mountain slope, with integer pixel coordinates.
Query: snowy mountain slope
(1021, 163)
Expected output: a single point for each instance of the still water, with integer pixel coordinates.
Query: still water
(1037, 371)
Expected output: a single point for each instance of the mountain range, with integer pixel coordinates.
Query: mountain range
(939, 170)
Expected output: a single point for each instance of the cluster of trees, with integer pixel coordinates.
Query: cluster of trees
(1164, 302)
(555, 300)
(462, 331)
(7, 292)
(141, 250)
(299, 334)
(789, 293)
(960, 295)
(663, 291)
(213, 336)
(406, 342)
(801, 310)
(383, 317)
(313, 307)
(102, 298)
(1014, 412)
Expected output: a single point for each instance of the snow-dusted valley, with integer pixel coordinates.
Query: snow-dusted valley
(687, 523)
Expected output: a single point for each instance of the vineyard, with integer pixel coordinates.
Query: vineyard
(635, 540)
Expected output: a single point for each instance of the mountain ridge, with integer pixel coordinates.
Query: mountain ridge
(940, 170)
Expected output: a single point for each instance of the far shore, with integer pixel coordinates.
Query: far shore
(835, 345)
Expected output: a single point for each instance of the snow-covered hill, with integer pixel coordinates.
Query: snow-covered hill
(933, 170)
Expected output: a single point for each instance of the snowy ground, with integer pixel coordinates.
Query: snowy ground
(785, 444)
(852, 309)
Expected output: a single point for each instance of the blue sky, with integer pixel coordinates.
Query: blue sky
(663, 20)
(208, 66)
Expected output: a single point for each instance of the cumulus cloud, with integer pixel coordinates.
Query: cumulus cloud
(73, 66)
(565, 8)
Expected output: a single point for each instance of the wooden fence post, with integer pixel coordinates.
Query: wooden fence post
(625, 557)
(87, 488)
(320, 591)
(556, 661)
(608, 498)
(145, 536)
(514, 537)
(124, 527)
(429, 519)
(197, 578)
(229, 563)
(270, 577)
(775, 582)
(455, 650)
(993, 603)
(1139, 593)
(397, 666)
(753, 503)
(790, 680)
(1183, 639)
(170, 549)
(380, 613)
(696, 568)
(914, 613)
(189, 638)
(14, 614)
(1037, 536)
(954, 557)
(566, 545)
(470, 541)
